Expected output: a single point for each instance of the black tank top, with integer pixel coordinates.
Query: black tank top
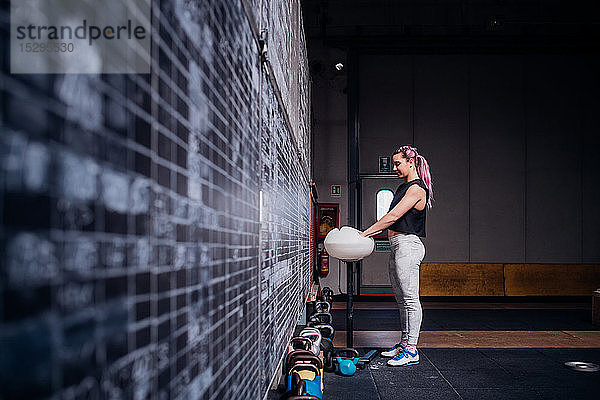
(414, 220)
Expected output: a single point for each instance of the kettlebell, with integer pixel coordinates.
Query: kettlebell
(327, 348)
(319, 318)
(326, 294)
(326, 330)
(347, 360)
(322, 306)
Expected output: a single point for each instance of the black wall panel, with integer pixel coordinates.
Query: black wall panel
(442, 136)
(497, 154)
(553, 125)
(590, 82)
(386, 107)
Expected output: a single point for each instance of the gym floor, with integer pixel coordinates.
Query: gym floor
(473, 351)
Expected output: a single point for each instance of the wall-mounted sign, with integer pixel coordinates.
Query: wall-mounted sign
(385, 165)
(328, 218)
(382, 245)
(336, 190)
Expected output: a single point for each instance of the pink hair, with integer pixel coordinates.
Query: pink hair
(409, 152)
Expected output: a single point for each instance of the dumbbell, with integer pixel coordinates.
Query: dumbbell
(367, 358)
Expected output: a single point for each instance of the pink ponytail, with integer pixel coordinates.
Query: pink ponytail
(425, 174)
(422, 167)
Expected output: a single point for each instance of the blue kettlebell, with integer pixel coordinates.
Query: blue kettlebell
(347, 360)
(347, 366)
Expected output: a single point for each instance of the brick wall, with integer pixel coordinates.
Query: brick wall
(155, 236)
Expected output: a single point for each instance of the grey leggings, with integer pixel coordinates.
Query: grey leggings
(407, 253)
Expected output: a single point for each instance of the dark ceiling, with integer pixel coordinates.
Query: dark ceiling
(454, 25)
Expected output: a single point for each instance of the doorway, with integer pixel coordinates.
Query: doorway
(375, 201)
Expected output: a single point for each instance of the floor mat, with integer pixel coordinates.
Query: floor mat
(477, 374)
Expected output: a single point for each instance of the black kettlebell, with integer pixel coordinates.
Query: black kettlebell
(327, 294)
(300, 343)
(319, 318)
(328, 361)
(289, 360)
(326, 330)
(322, 306)
(298, 387)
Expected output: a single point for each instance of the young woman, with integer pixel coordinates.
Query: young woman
(405, 222)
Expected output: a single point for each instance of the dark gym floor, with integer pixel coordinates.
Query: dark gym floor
(473, 374)
(478, 372)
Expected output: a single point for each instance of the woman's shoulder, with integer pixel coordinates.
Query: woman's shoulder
(405, 186)
(421, 184)
(417, 186)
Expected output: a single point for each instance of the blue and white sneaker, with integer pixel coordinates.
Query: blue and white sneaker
(405, 358)
(394, 351)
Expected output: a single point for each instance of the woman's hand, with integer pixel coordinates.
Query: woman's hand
(413, 195)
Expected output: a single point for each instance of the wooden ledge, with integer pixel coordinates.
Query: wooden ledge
(478, 339)
(481, 279)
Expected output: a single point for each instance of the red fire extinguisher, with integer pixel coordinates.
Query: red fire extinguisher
(324, 263)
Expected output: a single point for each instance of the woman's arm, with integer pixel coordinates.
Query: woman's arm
(413, 195)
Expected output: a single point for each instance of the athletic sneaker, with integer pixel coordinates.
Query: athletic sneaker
(405, 358)
(394, 351)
